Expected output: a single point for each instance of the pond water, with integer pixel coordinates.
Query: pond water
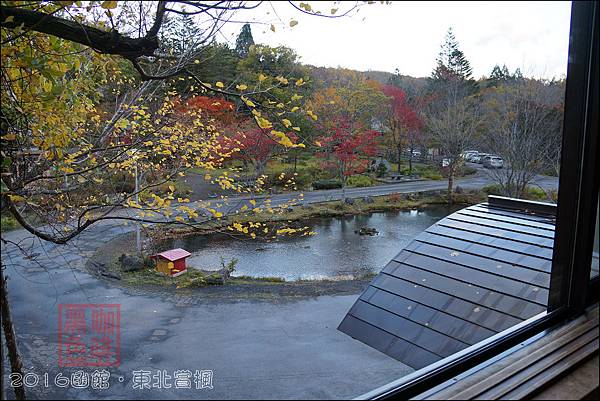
(335, 251)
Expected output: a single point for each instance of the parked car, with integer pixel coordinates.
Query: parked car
(468, 155)
(493, 162)
(480, 157)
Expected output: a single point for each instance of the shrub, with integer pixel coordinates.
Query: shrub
(360, 181)
(381, 170)
(531, 193)
(394, 197)
(327, 184)
(537, 194)
(427, 172)
(492, 189)
(466, 170)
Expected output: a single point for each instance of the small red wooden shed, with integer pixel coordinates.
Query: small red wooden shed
(171, 262)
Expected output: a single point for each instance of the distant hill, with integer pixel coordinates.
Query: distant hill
(329, 76)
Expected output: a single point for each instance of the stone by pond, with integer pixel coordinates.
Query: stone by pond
(337, 251)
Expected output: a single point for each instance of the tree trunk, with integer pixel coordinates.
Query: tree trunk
(399, 150)
(450, 183)
(16, 365)
(295, 162)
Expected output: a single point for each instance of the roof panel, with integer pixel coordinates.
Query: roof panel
(491, 319)
(485, 250)
(501, 224)
(495, 267)
(498, 232)
(494, 241)
(471, 285)
(542, 218)
(477, 272)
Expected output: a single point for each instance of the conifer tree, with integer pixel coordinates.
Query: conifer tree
(244, 41)
(451, 63)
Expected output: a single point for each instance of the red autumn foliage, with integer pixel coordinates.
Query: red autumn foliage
(402, 111)
(345, 149)
(255, 146)
(217, 108)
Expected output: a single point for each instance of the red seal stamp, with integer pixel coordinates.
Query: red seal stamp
(89, 335)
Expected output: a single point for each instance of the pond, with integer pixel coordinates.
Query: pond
(336, 251)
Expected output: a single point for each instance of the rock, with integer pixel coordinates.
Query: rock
(367, 231)
(260, 249)
(214, 279)
(349, 201)
(130, 263)
(99, 266)
(110, 275)
(368, 199)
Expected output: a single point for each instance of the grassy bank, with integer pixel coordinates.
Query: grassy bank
(108, 258)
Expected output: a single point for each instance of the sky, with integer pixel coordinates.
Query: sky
(532, 36)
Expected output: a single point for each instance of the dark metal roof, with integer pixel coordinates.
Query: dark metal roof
(475, 273)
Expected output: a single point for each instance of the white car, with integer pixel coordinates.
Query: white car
(480, 157)
(493, 162)
(468, 155)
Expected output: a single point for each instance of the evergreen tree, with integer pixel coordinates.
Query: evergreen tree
(451, 62)
(180, 34)
(498, 75)
(501, 75)
(244, 41)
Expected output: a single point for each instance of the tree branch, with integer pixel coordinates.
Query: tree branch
(104, 42)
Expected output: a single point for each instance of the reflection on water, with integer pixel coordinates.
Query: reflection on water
(335, 251)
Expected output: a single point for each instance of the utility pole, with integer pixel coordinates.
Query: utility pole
(138, 240)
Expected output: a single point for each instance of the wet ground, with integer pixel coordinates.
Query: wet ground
(281, 348)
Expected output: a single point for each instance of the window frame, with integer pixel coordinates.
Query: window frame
(571, 288)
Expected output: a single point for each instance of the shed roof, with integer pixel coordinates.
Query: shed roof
(173, 254)
(471, 275)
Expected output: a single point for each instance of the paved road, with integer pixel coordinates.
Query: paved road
(278, 349)
(476, 181)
